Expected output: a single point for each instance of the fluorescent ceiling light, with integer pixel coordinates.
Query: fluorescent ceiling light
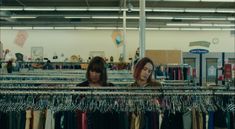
(225, 25)
(188, 18)
(190, 29)
(231, 18)
(131, 17)
(43, 28)
(163, 18)
(177, 24)
(200, 24)
(169, 28)
(104, 17)
(214, 18)
(228, 28)
(132, 28)
(106, 28)
(199, 10)
(116, 28)
(64, 28)
(104, 9)
(137, 9)
(85, 28)
(168, 9)
(22, 28)
(39, 8)
(225, 10)
(71, 9)
(83, 17)
(11, 8)
(211, 29)
(5, 28)
(23, 17)
(195, 24)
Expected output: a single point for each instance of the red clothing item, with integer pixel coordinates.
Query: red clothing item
(84, 120)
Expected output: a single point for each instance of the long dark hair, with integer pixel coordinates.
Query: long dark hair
(97, 64)
(140, 65)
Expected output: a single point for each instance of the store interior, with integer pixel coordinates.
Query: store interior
(46, 47)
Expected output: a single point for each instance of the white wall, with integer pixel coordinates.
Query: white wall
(80, 42)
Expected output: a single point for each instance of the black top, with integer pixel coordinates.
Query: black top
(98, 120)
(86, 83)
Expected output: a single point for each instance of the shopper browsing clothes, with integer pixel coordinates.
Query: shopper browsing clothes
(96, 76)
(9, 59)
(143, 71)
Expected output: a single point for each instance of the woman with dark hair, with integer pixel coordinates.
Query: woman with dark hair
(96, 73)
(143, 71)
(97, 77)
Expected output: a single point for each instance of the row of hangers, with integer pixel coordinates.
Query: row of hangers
(117, 104)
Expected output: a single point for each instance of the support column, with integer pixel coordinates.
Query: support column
(142, 28)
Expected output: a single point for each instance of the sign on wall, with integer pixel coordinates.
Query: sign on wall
(199, 47)
(37, 53)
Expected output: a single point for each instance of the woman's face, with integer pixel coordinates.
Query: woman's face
(146, 72)
(94, 76)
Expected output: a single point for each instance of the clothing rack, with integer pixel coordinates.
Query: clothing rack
(178, 65)
(49, 82)
(75, 77)
(118, 99)
(129, 91)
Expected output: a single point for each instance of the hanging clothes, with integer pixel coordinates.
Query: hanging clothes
(220, 119)
(50, 121)
(38, 119)
(3, 120)
(187, 120)
(16, 120)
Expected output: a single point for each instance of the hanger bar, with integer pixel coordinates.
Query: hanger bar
(114, 88)
(115, 93)
(134, 94)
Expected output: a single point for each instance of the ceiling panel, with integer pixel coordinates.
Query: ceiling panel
(167, 12)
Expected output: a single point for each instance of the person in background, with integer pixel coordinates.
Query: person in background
(96, 76)
(1, 51)
(111, 59)
(89, 59)
(160, 72)
(143, 71)
(9, 59)
(48, 65)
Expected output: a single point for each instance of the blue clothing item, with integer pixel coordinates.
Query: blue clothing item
(211, 120)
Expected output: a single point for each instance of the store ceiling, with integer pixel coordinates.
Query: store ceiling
(109, 13)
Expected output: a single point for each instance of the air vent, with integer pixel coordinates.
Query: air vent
(75, 20)
(176, 20)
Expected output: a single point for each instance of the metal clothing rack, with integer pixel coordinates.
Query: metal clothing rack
(129, 91)
(51, 82)
(114, 98)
